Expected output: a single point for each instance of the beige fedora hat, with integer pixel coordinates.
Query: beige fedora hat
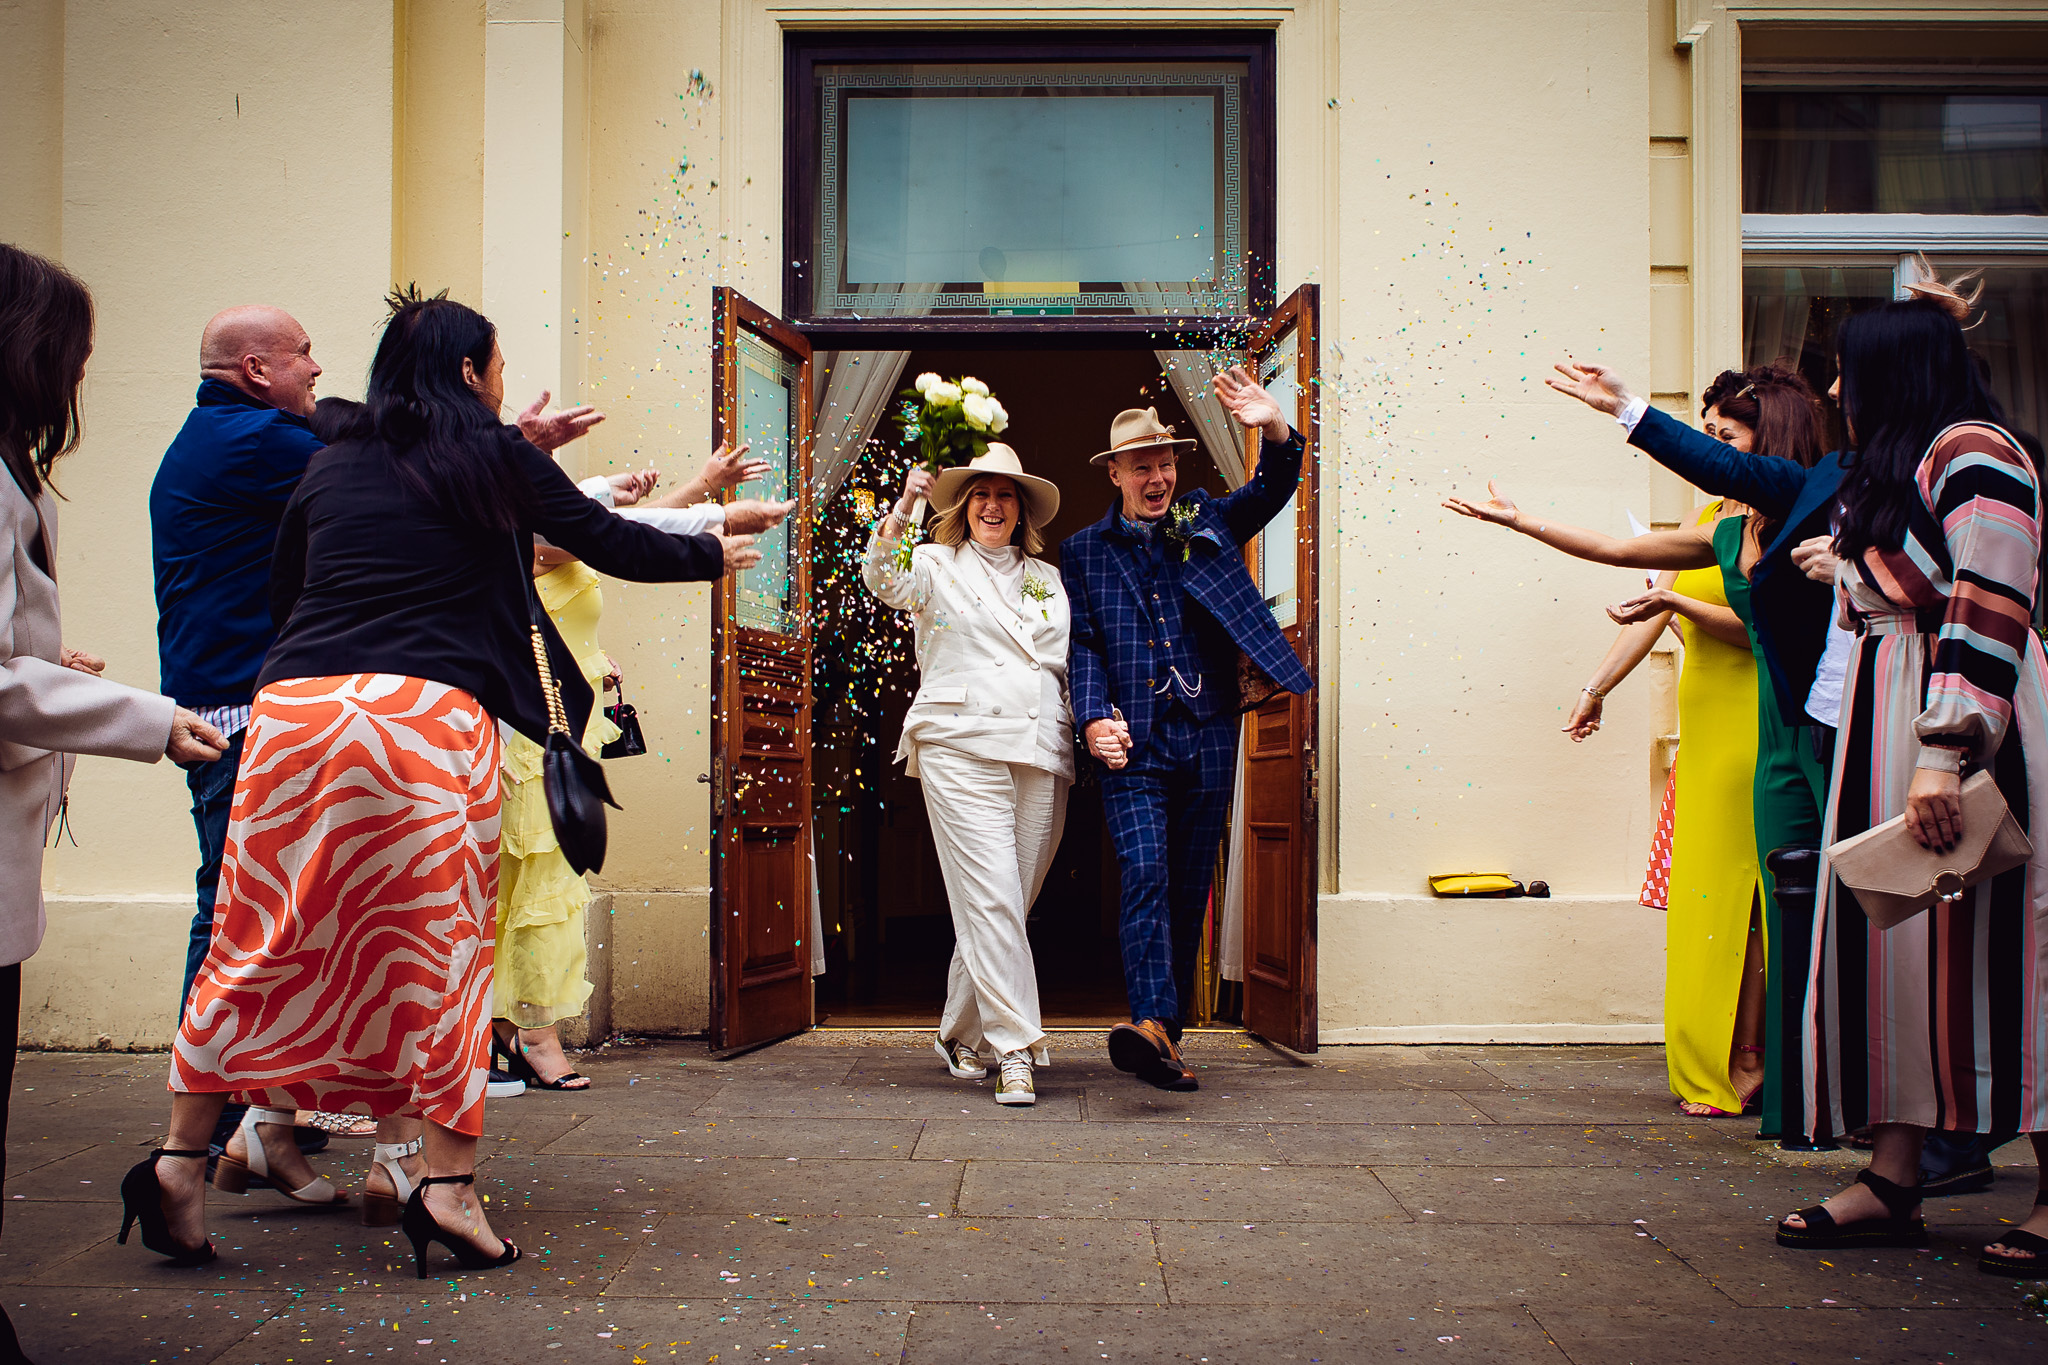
(1136, 429)
(1041, 496)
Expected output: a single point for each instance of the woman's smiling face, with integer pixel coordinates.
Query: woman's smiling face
(992, 510)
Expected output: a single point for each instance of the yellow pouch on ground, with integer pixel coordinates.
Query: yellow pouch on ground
(1474, 884)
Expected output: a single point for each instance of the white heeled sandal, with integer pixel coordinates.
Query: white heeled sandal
(385, 1210)
(231, 1176)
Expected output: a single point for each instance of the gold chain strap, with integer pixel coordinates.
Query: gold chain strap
(558, 719)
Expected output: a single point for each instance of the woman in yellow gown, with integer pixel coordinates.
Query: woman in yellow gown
(1713, 935)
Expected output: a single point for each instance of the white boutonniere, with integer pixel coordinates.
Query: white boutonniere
(1180, 526)
(1039, 591)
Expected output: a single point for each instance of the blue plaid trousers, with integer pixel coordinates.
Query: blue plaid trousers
(1165, 813)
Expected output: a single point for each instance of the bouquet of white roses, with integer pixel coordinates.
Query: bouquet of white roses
(948, 422)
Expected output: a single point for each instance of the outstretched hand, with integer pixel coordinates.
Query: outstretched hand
(1594, 385)
(553, 430)
(629, 488)
(1251, 405)
(751, 516)
(1496, 509)
(729, 469)
(1655, 602)
(1585, 717)
(739, 552)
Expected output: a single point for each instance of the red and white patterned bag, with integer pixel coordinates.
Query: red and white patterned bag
(1657, 879)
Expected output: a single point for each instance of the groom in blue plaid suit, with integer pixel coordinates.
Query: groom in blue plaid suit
(1164, 610)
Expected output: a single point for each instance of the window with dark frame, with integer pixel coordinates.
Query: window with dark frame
(1027, 182)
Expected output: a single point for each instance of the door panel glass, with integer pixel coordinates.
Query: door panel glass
(1048, 188)
(1279, 373)
(767, 422)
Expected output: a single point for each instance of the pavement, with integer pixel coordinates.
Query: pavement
(839, 1198)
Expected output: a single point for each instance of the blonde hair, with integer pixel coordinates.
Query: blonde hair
(1948, 295)
(950, 526)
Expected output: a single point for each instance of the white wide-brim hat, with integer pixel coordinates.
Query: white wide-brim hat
(1138, 429)
(1041, 496)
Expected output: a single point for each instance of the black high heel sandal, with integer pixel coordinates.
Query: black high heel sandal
(142, 1200)
(518, 1066)
(423, 1230)
(1901, 1228)
(2034, 1268)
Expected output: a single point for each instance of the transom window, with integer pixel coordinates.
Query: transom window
(1021, 177)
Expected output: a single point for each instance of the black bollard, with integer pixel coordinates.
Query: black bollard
(1795, 873)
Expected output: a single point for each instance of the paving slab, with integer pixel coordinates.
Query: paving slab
(726, 1185)
(1592, 1102)
(1427, 1263)
(1887, 1337)
(693, 1136)
(1499, 1145)
(924, 1260)
(969, 1139)
(1025, 1189)
(131, 1324)
(1748, 1266)
(997, 1334)
(1252, 1103)
(929, 1099)
(1716, 1193)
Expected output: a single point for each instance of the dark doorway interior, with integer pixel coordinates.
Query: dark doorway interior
(888, 931)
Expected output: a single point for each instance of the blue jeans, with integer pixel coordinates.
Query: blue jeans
(213, 794)
(1165, 815)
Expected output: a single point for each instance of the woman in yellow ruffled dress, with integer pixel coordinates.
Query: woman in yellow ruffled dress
(541, 962)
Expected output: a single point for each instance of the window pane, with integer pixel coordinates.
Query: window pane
(768, 413)
(1907, 151)
(1038, 189)
(1791, 313)
(1279, 374)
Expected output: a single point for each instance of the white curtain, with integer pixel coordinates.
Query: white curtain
(1230, 934)
(817, 913)
(1190, 373)
(854, 389)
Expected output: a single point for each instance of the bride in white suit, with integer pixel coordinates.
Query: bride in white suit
(989, 736)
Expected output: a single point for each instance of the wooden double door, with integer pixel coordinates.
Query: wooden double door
(760, 776)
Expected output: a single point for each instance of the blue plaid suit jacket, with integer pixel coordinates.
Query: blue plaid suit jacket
(1110, 657)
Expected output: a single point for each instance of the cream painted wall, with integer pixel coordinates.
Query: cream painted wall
(589, 170)
(212, 154)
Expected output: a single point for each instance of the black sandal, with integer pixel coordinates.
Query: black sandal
(2034, 1267)
(1901, 1228)
(518, 1066)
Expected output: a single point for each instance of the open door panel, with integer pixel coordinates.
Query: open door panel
(1280, 790)
(761, 696)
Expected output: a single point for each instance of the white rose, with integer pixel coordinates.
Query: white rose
(942, 395)
(925, 382)
(980, 410)
(999, 420)
(975, 386)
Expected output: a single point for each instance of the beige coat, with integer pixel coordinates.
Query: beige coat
(991, 682)
(47, 714)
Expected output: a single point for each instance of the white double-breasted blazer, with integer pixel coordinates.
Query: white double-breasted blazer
(992, 678)
(47, 713)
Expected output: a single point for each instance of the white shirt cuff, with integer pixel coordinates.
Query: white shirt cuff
(597, 487)
(1632, 413)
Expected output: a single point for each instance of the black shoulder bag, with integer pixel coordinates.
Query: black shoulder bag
(573, 781)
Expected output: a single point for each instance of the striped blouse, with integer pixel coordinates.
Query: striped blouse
(1983, 493)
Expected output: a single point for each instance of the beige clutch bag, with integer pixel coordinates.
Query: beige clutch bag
(1894, 878)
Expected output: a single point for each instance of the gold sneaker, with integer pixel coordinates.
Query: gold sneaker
(1013, 1084)
(962, 1060)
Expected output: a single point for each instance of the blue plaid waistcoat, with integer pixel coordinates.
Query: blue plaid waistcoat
(1115, 655)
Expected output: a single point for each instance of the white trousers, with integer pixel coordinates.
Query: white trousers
(996, 826)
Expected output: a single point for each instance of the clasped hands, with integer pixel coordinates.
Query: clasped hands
(1109, 739)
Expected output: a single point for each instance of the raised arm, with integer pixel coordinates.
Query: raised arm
(1765, 482)
(606, 542)
(901, 587)
(1689, 548)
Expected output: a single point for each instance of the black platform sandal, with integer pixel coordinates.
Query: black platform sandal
(142, 1200)
(422, 1229)
(1902, 1228)
(2035, 1267)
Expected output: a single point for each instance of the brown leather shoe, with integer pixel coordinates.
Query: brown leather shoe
(1146, 1050)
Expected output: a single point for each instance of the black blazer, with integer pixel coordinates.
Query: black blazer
(370, 577)
(1792, 611)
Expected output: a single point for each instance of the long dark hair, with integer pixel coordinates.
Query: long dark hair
(335, 419)
(45, 337)
(445, 440)
(1906, 374)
